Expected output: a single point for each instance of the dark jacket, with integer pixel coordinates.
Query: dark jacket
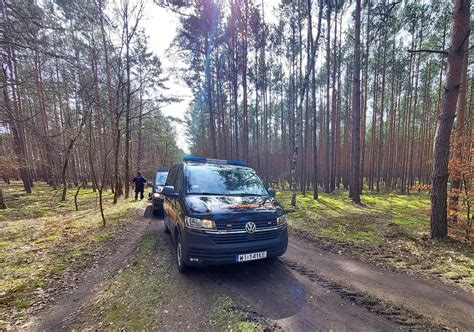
(139, 183)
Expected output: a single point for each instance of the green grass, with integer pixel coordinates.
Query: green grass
(389, 228)
(101, 237)
(41, 238)
(334, 216)
(134, 296)
(143, 297)
(226, 318)
(43, 202)
(21, 303)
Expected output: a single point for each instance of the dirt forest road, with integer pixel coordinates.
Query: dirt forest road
(305, 290)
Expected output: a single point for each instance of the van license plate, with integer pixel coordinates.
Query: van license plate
(251, 257)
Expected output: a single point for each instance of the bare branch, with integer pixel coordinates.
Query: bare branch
(429, 51)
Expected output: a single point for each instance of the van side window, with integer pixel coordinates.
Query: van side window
(170, 179)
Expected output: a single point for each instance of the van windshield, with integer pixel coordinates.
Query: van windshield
(223, 180)
(160, 178)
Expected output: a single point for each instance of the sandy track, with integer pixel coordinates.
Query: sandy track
(307, 289)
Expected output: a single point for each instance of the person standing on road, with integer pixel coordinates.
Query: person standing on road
(139, 181)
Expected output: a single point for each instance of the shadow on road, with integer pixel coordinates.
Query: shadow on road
(266, 286)
(148, 214)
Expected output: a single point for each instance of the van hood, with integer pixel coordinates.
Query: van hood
(210, 204)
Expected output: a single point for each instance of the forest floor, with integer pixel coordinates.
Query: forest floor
(50, 252)
(43, 241)
(389, 230)
(124, 277)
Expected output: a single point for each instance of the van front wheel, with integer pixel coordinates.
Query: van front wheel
(182, 267)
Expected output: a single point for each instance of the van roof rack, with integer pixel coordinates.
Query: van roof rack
(193, 159)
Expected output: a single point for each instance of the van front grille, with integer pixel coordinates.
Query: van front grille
(228, 238)
(240, 224)
(227, 255)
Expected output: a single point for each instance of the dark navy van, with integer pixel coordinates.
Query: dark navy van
(220, 212)
(157, 187)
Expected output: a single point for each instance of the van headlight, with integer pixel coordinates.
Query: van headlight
(196, 223)
(281, 220)
(157, 196)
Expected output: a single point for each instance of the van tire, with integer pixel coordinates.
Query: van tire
(180, 261)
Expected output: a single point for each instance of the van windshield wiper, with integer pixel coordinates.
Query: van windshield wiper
(207, 193)
(248, 178)
(225, 194)
(246, 194)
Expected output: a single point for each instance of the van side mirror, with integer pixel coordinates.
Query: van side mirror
(272, 192)
(150, 184)
(169, 191)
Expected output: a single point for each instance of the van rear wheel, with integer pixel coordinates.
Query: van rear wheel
(182, 267)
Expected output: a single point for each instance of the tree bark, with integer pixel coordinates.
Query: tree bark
(327, 180)
(356, 110)
(244, 84)
(127, 103)
(314, 174)
(209, 103)
(309, 69)
(366, 95)
(3, 205)
(114, 115)
(334, 133)
(439, 176)
(17, 121)
(460, 111)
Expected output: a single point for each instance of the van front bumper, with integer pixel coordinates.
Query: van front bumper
(204, 249)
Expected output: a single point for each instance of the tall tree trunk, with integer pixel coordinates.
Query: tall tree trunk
(332, 181)
(244, 84)
(439, 177)
(3, 205)
(314, 174)
(309, 69)
(235, 89)
(327, 180)
(257, 125)
(460, 111)
(127, 103)
(48, 167)
(17, 121)
(382, 106)
(114, 114)
(209, 102)
(366, 97)
(356, 111)
(140, 120)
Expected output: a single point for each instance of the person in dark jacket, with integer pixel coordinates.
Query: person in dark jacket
(139, 181)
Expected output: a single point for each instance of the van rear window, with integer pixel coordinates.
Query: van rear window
(160, 178)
